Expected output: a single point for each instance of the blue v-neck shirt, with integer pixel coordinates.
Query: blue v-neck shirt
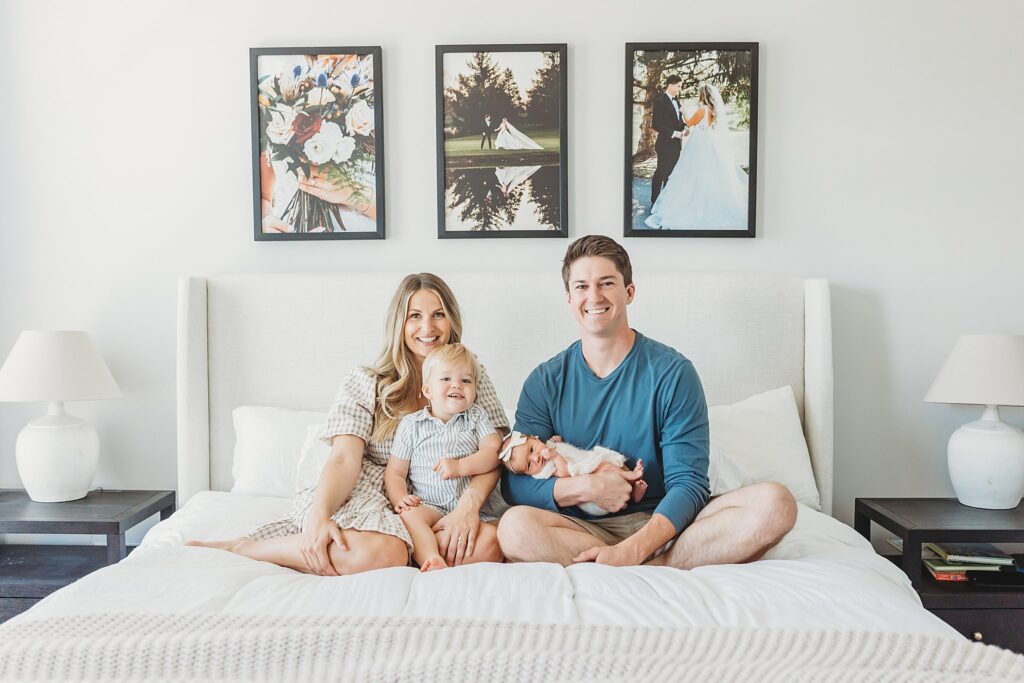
(651, 407)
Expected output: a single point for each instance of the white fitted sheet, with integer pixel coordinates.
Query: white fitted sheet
(822, 575)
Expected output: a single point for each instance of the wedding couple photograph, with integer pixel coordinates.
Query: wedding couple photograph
(501, 140)
(691, 140)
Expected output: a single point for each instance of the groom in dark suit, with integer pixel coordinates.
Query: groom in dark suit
(486, 132)
(669, 124)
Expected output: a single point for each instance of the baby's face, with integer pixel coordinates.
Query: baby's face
(450, 389)
(526, 457)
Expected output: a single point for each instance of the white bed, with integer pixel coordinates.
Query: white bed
(286, 340)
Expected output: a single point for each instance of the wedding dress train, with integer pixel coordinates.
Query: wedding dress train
(510, 138)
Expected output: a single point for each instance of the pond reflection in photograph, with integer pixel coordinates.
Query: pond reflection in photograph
(502, 198)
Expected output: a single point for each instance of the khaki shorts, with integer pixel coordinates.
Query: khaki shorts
(611, 530)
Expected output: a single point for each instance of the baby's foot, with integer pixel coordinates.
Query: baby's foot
(639, 489)
(639, 486)
(432, 563)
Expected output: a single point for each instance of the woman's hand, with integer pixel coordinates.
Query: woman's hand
(319, 185)
(456, 532)
(407, 503)
(316, 537)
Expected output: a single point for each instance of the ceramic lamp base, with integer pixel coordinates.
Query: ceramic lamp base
(57, 456)
(986, 463)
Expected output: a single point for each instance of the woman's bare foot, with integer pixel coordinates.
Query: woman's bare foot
(432, 563)
(234, 545)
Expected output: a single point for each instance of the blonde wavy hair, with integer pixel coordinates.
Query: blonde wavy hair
(396, 373)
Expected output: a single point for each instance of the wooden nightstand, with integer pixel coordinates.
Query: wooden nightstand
(991, 614)
(29, 573)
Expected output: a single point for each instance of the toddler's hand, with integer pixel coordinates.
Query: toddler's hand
(407, 503)
(448, 468)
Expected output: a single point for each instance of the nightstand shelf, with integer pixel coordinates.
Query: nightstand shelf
(29, 573)
(989, 613)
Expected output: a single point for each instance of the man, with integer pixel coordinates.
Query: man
(485, 134)
(669, 124)
(621, 390)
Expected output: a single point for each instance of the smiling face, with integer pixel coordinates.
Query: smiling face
(450, 388)
(526, 458)
(426, 324)
(598, 297)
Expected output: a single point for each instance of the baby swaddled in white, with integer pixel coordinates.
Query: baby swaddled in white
(525, 454)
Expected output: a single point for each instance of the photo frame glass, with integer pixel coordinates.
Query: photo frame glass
(318, 163)
(691, 140)
(501, 141)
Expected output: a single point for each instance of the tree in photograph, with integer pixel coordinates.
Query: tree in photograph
(730, 71)
(544, 95)
(475, 194)
(484, 89)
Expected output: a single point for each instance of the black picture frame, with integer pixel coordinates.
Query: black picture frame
(560, 182)
(631, 216)
(259, 140)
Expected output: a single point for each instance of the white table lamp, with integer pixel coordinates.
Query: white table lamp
(986, 457)
(56, 453)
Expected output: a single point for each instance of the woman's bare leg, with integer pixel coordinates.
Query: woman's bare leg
(366, 550)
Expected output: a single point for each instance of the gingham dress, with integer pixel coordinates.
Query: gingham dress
(367, 508)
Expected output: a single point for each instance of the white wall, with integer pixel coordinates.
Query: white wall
(889, 163)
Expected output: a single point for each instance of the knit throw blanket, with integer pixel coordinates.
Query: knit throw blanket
(113, 647)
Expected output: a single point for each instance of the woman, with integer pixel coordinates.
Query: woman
(707, 188)
(509, 137)
(344, 524)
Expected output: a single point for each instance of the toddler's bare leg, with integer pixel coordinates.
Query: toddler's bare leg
(418, 521)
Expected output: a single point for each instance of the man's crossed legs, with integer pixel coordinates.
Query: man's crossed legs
(736, 527)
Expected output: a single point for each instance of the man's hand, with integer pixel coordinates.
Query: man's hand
(448, 468)
(622, 554)
(610, 490)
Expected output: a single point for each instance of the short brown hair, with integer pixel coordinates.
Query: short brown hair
(597, 245)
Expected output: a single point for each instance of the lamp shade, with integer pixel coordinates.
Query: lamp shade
(55, 366)
(982, 369)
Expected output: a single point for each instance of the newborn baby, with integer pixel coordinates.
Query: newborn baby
(524, 454)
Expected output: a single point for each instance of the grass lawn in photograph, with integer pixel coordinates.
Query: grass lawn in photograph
(469, 145)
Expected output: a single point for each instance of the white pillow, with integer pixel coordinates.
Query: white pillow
(267, 446)
(760, 439)
(311, 459)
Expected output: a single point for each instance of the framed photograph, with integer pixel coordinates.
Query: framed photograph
(691, 139)
(317, 143)
(502, 166)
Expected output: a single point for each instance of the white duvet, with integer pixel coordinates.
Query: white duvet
(822, 575)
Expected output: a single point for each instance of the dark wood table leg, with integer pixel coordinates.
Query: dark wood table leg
(912, 558)
(116, 550)
(862, 525)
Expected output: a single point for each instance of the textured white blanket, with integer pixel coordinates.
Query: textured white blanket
(251, 648)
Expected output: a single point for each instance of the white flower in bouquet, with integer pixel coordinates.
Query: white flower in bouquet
(343, 152)
(279, 129)
(319, 97)
(321, 147)
(359, 119)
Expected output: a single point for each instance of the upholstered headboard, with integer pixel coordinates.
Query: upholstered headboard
(287, 340)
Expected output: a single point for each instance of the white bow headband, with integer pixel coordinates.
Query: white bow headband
(514, 439)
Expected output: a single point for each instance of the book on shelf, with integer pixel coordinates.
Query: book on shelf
(970, 553)
(946, 576)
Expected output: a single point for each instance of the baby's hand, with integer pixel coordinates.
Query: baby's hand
(407, 503)
(448, 468)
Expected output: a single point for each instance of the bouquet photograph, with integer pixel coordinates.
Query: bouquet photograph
(318, 147)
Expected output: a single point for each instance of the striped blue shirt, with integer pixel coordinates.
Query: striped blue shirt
(424, 440)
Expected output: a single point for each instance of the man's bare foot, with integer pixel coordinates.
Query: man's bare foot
(639, 486)
(432, 563)
(232, 546)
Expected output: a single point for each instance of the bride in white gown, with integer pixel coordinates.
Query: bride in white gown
(707, 188)
(510, 138)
